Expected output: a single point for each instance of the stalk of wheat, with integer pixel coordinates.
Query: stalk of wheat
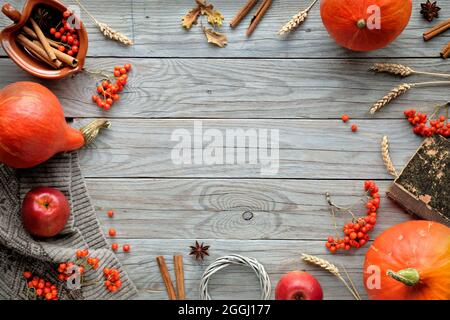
(331, 268)
(402, 70)
(296, 20)
(400, 90)
(387, 158)
(106, 29)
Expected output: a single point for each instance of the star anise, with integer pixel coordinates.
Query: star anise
(199, 250)
(430, 10)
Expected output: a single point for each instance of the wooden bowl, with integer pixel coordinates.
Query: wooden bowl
(21, 57)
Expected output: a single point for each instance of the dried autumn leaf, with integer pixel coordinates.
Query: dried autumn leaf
(216, 38)
(191, 18)
(215, 18)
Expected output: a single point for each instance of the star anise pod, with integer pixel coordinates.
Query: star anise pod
(430, 10)
(199, 251)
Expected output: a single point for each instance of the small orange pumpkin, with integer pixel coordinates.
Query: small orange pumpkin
(33, 128)
(365, 25)
(410, 261)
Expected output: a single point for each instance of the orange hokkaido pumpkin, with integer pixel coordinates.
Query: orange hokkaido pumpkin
(33, 127)
(364, 25)
(410, 261)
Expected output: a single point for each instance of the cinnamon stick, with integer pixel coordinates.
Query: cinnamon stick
(38, 51)
(34, 36)
(258, 16)
(63, 57)
(166, 277)
(43, 40)
(445, 52)
(436, 30)
(179, 276)
(242, 13)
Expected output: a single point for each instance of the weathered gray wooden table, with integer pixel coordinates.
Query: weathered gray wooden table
(300, 85)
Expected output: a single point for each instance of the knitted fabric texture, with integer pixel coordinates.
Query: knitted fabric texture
(20, 252)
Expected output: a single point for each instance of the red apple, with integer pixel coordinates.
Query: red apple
(298, 285)
(45, 212)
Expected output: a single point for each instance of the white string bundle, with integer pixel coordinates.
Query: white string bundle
(225, 261)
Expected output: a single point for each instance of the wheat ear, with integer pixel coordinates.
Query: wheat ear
(387, 158)
(393, 94)
(392, 68)
(402, 89)
(296, 20)
(402, 70)
(106, 29)
(331, 268)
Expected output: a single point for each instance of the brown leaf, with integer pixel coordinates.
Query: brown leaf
(216, 38)
(191, 17)
(215, 18)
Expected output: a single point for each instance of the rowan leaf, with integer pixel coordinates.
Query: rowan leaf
(216, 38)
(191, 17)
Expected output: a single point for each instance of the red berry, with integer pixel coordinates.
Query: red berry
(58, 35)
(123, 70)
(354, 128)
(52, 31)
(345, 118)
(112, 232)
(70, 53)
(126, 247)
(117, 73)
(127, 66)
(110, 213)
(114, 246)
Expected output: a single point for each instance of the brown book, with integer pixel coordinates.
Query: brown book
(423, 187)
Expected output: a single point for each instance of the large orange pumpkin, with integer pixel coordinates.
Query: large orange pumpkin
(410, 261)
(364, 25)
(33, 128)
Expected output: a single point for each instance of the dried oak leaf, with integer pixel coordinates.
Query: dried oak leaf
(216, 38)
(191, 18)
(215, 18)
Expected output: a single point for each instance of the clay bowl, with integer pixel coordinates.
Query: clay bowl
(21, 57)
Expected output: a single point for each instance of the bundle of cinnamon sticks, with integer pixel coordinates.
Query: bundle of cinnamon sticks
(437, 30)
(42, 48)
(257, 17)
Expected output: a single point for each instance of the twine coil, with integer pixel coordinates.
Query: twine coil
(225, 261)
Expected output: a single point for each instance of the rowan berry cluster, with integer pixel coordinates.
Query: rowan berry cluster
(112, 279)
(107, 91)
(41, 288)
(420, 121)
(83, 263)
(356, 231)
(66, 35)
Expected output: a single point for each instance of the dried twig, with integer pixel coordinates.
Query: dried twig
(296, 20)
(400, 90)
(387, 158)
(106, 29)
(402, 70)
(331, 268)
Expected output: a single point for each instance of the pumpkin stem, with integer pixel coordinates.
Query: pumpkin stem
(361, 23)
(91, 130)
(409, 277)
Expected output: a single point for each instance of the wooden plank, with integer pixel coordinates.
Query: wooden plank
(277, 257)
(155, 27)
(213, 209)
(174, 88)
(308, 149)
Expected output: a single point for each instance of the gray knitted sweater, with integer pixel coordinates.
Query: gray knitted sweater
(20, 252)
